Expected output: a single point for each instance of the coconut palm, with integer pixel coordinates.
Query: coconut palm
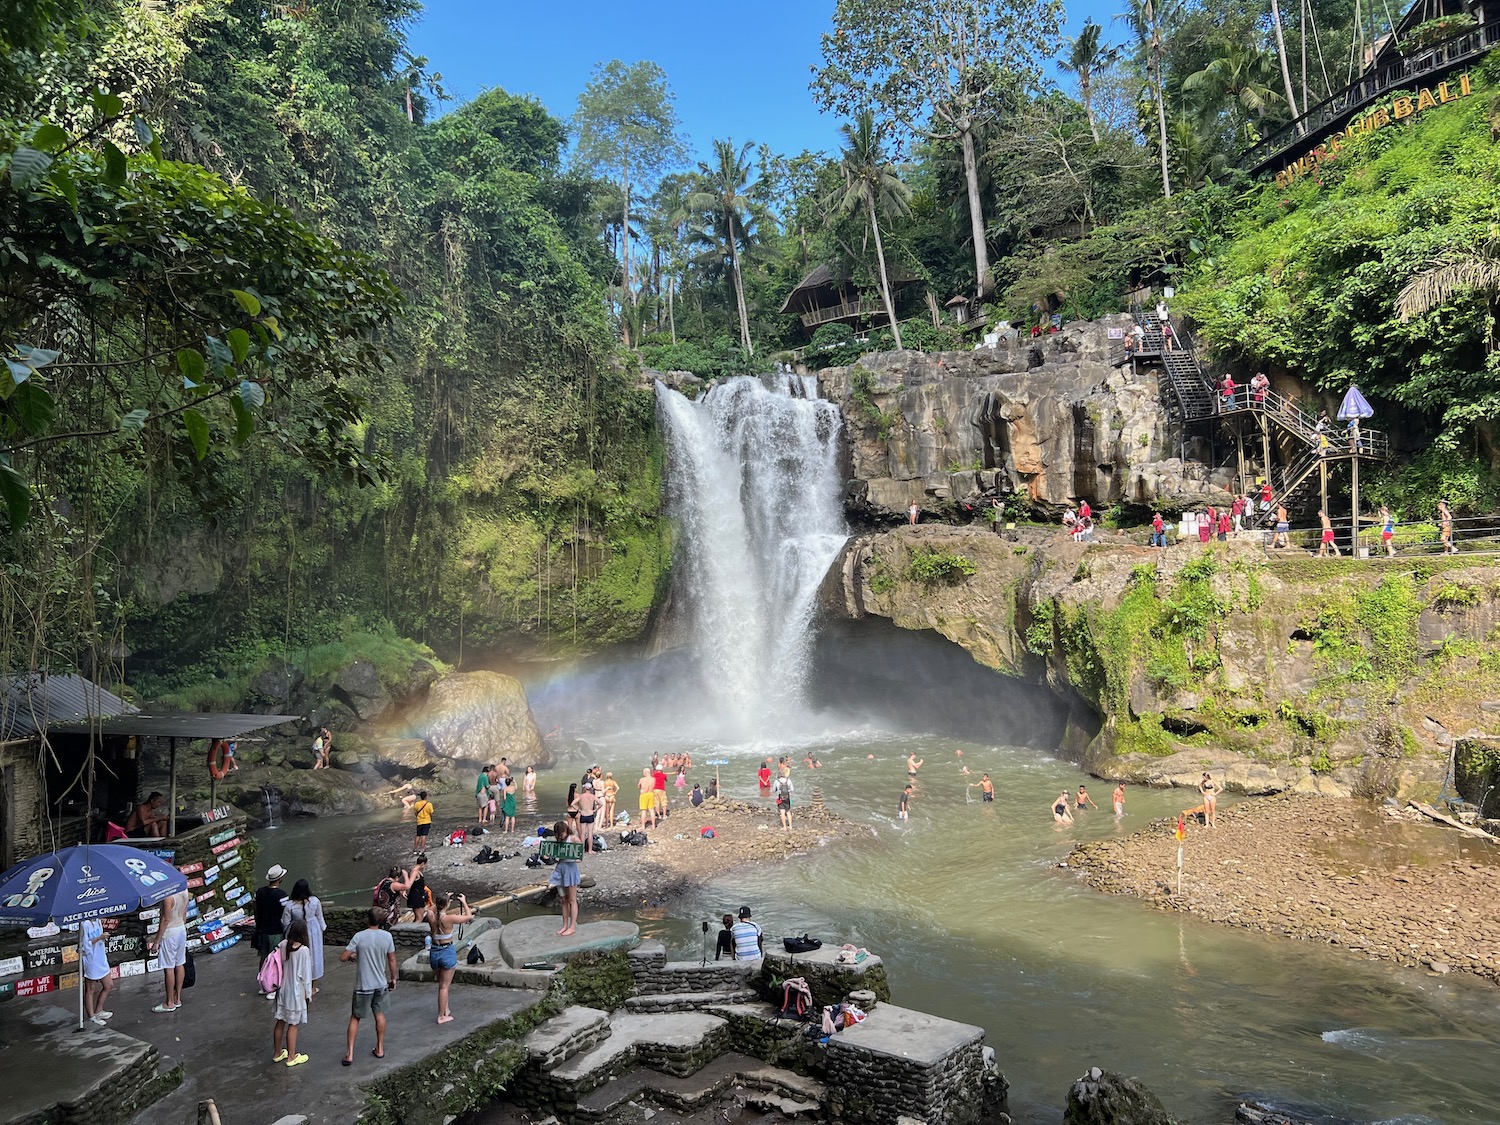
(1464, 271)
(1086, 57)
(872, 184)
(724, 196)
(1148, 20)
(1242, 75)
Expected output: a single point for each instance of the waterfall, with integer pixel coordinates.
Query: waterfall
(754, 486)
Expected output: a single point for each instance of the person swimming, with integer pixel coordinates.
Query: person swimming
(1060, 811)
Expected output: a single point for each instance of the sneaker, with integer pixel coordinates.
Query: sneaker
(298, 1061)
(163, 1009)
(280, 1058)
(98, 1021)
(271, 995)
(103, 1015)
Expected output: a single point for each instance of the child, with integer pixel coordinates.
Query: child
(905, 803)
(293, 996)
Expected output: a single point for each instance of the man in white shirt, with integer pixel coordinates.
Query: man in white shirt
(749, 944)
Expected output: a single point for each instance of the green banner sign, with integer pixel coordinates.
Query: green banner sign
(554, 849)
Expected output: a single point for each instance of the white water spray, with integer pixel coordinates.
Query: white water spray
(754, 485)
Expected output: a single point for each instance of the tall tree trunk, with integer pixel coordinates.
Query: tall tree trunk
(671, 313)
(625, 244)
(984, 282)
(1086, 93)
(885, 282)
(739, 290)
(1161, 128)
(1286, 74)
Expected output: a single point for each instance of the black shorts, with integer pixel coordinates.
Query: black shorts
(423, 829)
(989, 796)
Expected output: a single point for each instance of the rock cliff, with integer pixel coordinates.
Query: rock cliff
(1325, 676)
(1050, 419)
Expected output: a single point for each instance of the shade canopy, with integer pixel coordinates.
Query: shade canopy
(177, 724)
(1354, 406)
(87, 881)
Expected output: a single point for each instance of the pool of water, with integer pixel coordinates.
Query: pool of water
(976, 922)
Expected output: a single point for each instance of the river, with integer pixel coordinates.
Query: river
(976, 921)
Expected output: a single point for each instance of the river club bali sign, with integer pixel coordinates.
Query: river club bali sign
(1399, 110)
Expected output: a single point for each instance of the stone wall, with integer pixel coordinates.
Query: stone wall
(880, 1087)
(653, 973)
(116, 1102)
(830, 982)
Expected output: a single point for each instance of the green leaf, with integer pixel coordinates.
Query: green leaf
(34, 407)
(190, 363)
(134, 422)
(244, 424)
(49, 138)
(114, 165)
(27, 167)
(65, 185)
(253, 395)
(239, 343)
(107, 105)
(197, 431)
(217, 351)
(17, 493)
(273, 324)
(143, 133)
(248, 301)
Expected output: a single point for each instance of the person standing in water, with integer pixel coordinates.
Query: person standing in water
(1119, 800)
(987, 788)
(913, 764)
(1084, 800)
(647, 786)
(903, 804)
(1210, 792)
(1060, 811)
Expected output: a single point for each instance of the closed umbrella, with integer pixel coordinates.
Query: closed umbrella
(88, 881)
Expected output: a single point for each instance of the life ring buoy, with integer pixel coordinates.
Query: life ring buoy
(218, 760)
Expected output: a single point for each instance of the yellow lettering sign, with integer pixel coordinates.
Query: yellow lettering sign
(1401, 108)
(1465, 88)
(1425, 100)
(1444, 95)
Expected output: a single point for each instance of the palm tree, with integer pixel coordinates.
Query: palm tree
(1146, 19)
(664, 226)
(724, 193)
(1464, 271)
(871, 183)
(1242, 74)
(1087, 58)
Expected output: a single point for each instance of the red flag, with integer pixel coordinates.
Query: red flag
(1181, 830)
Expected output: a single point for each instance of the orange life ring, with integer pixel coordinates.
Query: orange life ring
(218, 760)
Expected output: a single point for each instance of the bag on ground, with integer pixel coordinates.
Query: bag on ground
(476, 955)
(485, 854)
(189, 972)
(803, 944)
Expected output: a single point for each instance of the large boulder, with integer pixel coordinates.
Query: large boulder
(471, 718)
(359, 688)
(1102, 1097)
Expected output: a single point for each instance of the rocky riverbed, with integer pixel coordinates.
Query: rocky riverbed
(677, 858)
(1340, 872)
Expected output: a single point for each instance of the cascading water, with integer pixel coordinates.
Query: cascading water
(754, 485)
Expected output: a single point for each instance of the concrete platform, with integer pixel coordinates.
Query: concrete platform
(222, 1037)
(907, 1034)
(535, 939)
(48, 1066)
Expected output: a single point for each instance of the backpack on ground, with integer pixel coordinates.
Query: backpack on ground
(796, 999)
(476, 955)
(485, 854)
(803, 944)
(458, 836)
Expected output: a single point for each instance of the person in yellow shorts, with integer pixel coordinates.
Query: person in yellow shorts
(647, 786)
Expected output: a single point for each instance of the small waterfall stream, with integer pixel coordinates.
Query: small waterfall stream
(754, 485)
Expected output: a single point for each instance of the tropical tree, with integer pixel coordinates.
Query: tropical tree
(1467, 271)
(724, 197)
(1086, 57)
(871, 184)
(939, 69)
(1242, 76)
(627, 132)
(1147, 20)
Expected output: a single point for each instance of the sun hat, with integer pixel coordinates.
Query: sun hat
(276, 872)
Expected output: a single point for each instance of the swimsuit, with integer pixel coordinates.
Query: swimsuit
(586, 819)
(1059, 810)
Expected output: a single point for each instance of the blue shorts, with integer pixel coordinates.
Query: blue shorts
(443, 956)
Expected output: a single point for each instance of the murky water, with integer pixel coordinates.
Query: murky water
(977, 923)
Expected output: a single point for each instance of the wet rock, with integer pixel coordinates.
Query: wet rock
(358, 687)
(470, 718)
(1102, 1097)
(276, 685)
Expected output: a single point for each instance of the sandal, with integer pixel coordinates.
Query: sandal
(298, 1061)
(280, 1058)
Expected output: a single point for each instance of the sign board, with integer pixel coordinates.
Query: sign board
(132, 968)
(244, 898)
(8, 990)
(10, 966)
(225, 943)
(204, 897)
(124, 943)
(228, 843)
(223, 812)
(195, 881)
(67, 980)
(44, 957)
(191, 868)
(49, 930)
(559, 850)
(166, 855)
(229, 859)
(70, 955)
(1117, 333)
(35, 986)
(220, 837)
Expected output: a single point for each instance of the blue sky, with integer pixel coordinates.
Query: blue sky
(738, 70)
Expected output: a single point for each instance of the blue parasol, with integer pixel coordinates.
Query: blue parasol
(1354, 406)
(88, 881)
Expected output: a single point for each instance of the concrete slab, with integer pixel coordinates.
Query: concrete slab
(681, 1031)
(51, 1062)
(535, 939)
(222, 1036)
(683, 1094)
(782, 962)
(906, 1034)
(613, 1052)
(568, 1024)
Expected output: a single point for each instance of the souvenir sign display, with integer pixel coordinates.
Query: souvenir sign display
(204, 897)
(228, 845)
(44, 957)
(229, 859)
(221, 836)
(36, 986)
(223, 812)
(191, 868)
(194, 882)
(132, 968)
(224, 943)
(67, 980)
(10, 966)
(244, 898)
(166, 855)
(7, 990)
(49, 930)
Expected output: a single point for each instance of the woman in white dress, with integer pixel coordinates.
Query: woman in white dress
(294, 995)
(304, 907)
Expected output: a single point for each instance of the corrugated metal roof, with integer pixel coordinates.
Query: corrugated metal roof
(179, 724)
(40, 700)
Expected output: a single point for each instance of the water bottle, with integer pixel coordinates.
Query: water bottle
(427, 944)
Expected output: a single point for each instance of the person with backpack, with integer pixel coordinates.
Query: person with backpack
(749, 942)
(418, 897)
(388, 896)
(784, 800)
(269, 901)
(294, 995)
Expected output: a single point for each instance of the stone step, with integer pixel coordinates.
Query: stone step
(687, 1001)
(572, 1032)
(787, 1092)
(678, 1043)
(655, 975)
(590, 1069)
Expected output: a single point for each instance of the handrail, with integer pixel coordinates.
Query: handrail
(862, 307)
(1392, 75)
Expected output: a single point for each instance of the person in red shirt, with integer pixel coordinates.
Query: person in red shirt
(1223, 526)
(1226, 389)
(1205, 525)
(1238, 513)
(659, 777)
(1084, 511)
(1265, 496)
(1158, 531)
(763, 775)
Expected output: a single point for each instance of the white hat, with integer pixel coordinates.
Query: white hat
(276, 872)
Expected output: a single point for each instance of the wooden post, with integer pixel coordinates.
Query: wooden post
(172, 786)
(1354, 549)
(1323, 485)
(1265, 443)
